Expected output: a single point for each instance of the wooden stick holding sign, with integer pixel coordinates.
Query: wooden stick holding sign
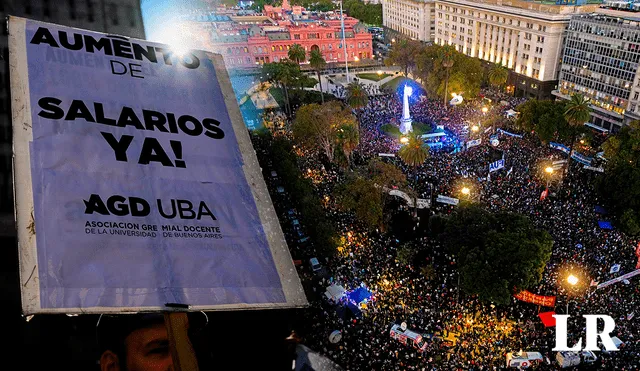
(182, 353)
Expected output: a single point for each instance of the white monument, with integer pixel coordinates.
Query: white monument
(405, 121)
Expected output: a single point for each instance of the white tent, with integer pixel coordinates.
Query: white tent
(511, 113)
(335, 292)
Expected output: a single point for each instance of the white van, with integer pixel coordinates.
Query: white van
(570, 359)
(523, 359)
(408, 337)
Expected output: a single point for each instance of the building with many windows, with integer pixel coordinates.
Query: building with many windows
(600, 61)
(121, 17)
(522, 35)
(410, 18)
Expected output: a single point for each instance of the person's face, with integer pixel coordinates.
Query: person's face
(147, 349)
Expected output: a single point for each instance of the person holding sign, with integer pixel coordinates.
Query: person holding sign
(134, 343)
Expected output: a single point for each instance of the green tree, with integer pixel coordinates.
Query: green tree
(349, 139)
(464, 76)
(498, 254)
(577, 113)
(406, 254)
(498, 75)
(316, 126)
(285, 74)
(446, 57)
(297, 53)
(414, 153)
(317, 62)
(385, 175)
(357, 98)
(361, 196)
(356, 95)
(619, 187)
(403, 54)
(367, 13)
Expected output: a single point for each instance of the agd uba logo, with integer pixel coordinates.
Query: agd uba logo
(592, 333)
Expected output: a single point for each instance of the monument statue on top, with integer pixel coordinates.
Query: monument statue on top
(405, 121)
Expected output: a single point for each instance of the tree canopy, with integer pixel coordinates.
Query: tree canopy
(463, 76)
(498, 254)
(318, 126)
(363, 198)
(414, 153)
(547, 119)
(366, 13)
(403, 53)
(620, 187)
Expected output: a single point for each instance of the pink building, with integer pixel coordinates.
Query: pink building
(246, 41)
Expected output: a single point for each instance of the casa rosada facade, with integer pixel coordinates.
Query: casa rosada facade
(258, 40)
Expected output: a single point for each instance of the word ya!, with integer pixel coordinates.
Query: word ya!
(135, 206)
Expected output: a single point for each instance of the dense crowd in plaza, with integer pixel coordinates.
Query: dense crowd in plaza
(430, 304)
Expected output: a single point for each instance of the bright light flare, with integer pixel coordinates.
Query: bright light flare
(475, 128)
(549, 170)
(485, 110)
(573, 280)
(404, 140)
(465, 191)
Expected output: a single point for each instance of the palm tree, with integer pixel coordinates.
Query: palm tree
(577, 113)
(414, 154)
(446, 56)
(498, 75)
(357, 97)
(349, 139)
(318, 63)
(297, 53)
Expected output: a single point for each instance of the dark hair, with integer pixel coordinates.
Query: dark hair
(112, 330)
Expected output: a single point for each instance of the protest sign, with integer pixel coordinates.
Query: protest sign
(136, 181)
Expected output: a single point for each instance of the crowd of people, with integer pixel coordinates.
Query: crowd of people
(429, 301)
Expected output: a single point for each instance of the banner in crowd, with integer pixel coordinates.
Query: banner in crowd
(136, 181)
(510, 134)
(497, 165)
(619, 279)
(559, 146)
(581, 158)
(638, 256)
(598, 169)
(386, 155)
(529, 297)
(473, 143)
(447, 200)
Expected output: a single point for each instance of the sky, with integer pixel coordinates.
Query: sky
(159, 17)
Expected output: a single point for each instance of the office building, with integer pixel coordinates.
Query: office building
(600, 61)
(522, 35)
(122, 17)
(411, 19)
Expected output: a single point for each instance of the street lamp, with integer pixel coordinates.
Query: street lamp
(356, 59)
(404, 140)
(465, 191)
(549, 170)
(485, 110)
(573, 281)
(379, 73)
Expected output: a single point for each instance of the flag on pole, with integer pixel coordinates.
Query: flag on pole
(509, 173)
(544, 194)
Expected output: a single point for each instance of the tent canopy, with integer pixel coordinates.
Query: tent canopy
(605, 224)
(359, 295)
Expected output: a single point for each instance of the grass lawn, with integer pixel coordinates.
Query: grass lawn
(372, 76)
(393, 84)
